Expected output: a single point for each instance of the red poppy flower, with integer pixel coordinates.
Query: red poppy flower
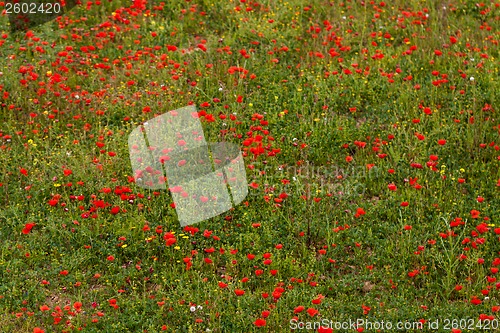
(316, 301)
(27, 228)
(359, 212)
(475, 300)
(53, 202)
(413, 273)
(475, 213)
(392, 187)
(170, 241)
(209, 250)
(115, 210)
(77, 306)
(312, 312)
(260, 322)
(298, 309)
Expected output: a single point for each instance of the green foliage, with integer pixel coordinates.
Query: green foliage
(345, 100)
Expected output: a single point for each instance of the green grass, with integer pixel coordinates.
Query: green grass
(344, 91)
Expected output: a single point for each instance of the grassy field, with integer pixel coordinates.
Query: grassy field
(371, 140)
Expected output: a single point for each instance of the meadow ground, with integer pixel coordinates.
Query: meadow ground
(370, 134)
